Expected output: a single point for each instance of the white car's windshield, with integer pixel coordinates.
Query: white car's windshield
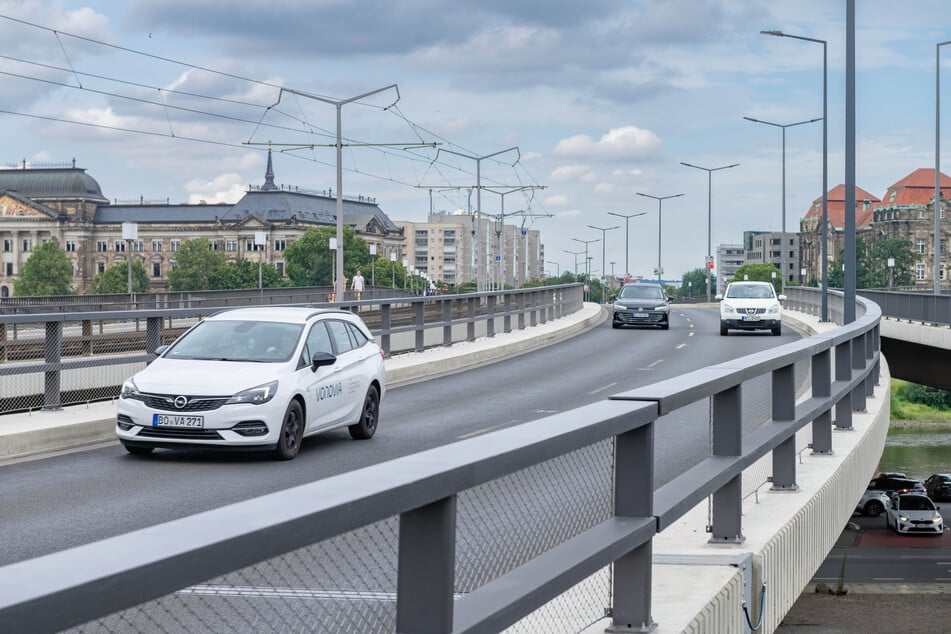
(259, 341)
(641, 292)
(750, 291)
(915, 503)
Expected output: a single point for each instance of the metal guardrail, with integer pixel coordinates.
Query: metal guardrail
(82, 584)
(53, 359)
(926, 308)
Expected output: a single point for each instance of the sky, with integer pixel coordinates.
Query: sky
(583, 105)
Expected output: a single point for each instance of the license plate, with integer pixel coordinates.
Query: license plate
(165, 420)
(640, 314)
(749, 318)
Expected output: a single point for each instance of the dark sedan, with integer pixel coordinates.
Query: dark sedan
(938, 486)
(641, 305)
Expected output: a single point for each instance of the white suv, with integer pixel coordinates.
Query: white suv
(751, 306)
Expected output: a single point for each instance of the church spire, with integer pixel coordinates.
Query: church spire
(269, 174)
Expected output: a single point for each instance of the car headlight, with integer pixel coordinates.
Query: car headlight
(130, 390)
(936, 520)
(902, 518)
(619, 306)
(772, 310)
(726, 308)
(255, 395)
(662, 309)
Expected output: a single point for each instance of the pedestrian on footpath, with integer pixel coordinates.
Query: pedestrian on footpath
(358, 284)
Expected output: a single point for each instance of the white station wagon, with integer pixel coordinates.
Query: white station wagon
(751, 306)
(257, 378)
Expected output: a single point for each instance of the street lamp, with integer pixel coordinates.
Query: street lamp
(709, 171)
(660, 200)
(260, 240)
(557, 268)
(576, 254)
(372, 265)
(627, 239)
(891, 269)
(332, 245)
(937, 167)
(604, 231)
(824, 312)
(782, 247)
(393, 269)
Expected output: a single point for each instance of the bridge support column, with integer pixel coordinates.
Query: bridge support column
(822, 388)
(843, 372)
(858, 364)
(490, 316)
(508, 313)
(634, 497)
(784, 412)
(447, 318)
(420, 326)
(426, 574)
(727, 525)
(521, 311)
(385, 321)
(470, 316)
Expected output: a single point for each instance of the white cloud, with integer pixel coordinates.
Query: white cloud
(625, 143)
(604, 188)
(571, 213)
(225, 188)
(568, 173)
(633, 172)
(560, 199)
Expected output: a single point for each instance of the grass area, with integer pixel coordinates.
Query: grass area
(905, 411)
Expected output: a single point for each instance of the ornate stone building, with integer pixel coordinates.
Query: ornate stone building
(66, 205)
(810, 228)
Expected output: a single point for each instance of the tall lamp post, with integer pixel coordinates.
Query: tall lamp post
(782, 247)
(557, 268)
(604, 231)
(587, 264)
(824, 312)
(660, 200)
(627, 239)
(393, 269)
(576, 254)
(260, 243)
(937, 167)
(709, 171)
(130, 233)
(372, 265)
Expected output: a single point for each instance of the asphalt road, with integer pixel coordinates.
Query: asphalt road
(61, 501)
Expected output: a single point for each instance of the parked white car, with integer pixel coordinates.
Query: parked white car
(257, 378)
(914, 513)
(750, 306)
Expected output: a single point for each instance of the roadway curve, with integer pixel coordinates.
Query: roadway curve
(65, 500)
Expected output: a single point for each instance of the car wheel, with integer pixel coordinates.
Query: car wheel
(723, 330)
(665, 325)
(778, 330)
(364, 428)
(138, 451)
(615, 324)
(874, 509)
(292, 432)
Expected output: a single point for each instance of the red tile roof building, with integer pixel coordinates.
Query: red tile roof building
(810, 228)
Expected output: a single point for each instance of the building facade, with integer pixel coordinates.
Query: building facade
(66, 205)
(776, 248)
(730, 257)
(810, 228)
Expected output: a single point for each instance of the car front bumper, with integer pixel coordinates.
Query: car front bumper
(759, 324)
(640, 317)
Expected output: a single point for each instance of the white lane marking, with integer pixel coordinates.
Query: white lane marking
(601, 389)
(655, 363)
(486, 430)
(888, 578)
(681, 345)
(691, 333)
(547, 411)
(944, 563)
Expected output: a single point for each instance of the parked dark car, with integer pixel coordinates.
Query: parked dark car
(938, 486)
(890, 484)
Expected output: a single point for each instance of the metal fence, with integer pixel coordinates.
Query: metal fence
(925, 308)
(475, 536)
(48, 360)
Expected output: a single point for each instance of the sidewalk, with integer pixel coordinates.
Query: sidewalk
(39, 432)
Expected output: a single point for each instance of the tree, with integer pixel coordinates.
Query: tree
(115, 279)
(871, 265)
(759, 273)
(694, 283)
(244, 274)
(48, 271)
(196, 265)
(310, 262)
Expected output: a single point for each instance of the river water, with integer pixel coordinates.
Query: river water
(917, 451)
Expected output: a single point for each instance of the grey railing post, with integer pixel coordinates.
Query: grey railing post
(153, 335)
(53, 354)
(427, 564)
(521, 311)
(542, 296)
(507, 321)
(728, 441)
(843, 372)
(858, 364)
(385, 328)
(633, 497)
(821, 388)
(784, 411)
(420, 325)
(550, 301)
(3, 341)
(447, 319)
(533, 302)
(470, 318)
(86, 345)
(490, 316)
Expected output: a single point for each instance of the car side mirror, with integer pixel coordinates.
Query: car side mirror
(718, 297)
(320, 359)
(782, 298)
(161, 349)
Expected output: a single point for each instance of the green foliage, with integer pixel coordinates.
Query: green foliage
(48, 271)
(871, 265)
(694, 283)
(904, 409)
(244, 274)
(758, 273)
(115, 279)
(310, 262)
(930, 396)
(195, 266)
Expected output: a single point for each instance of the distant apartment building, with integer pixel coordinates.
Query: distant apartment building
(776, 248)
(730, 257)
